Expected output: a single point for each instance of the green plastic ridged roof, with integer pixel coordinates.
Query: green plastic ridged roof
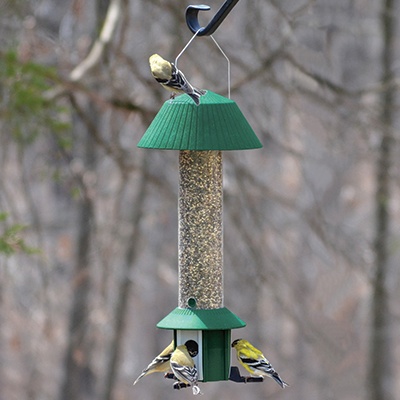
(194, 319)
(216, 124)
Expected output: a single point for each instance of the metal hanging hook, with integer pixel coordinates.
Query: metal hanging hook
(193, 21)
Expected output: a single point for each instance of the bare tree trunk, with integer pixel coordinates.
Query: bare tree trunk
(78, 380)
(121, 308)
(380, 374)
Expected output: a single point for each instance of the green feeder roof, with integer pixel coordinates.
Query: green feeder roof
(194, 319)
(216, 124)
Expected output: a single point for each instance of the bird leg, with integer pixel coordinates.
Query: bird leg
(180, 385)
(172, 97)
(177, 385)
(236, 377)
(254, 379)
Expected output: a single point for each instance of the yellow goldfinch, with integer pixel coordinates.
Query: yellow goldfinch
(172, 79)
(160, 363)
(254, 361)
(183, 367)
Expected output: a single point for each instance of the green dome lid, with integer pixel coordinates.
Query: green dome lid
(216, 124)
(194, 319)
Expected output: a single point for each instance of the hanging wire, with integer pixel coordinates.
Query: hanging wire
(229, 65)
(183, 50)
(220, 49)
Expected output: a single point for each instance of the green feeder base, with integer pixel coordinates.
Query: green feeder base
(211, 330)
(216, 124)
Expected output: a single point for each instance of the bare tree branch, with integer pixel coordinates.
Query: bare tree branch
(97, 51)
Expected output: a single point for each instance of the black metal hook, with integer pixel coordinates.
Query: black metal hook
(193, 22)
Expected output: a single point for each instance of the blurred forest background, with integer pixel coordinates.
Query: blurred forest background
(88, 222)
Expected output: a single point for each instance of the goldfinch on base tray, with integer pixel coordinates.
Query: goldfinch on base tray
(254, 361)
(160, 364)
(183, 367)
(172, 79)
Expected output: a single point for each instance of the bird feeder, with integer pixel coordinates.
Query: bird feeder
(211, 330)
(201, 133)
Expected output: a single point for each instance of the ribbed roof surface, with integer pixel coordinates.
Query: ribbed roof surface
(194, 319)
(216, 124)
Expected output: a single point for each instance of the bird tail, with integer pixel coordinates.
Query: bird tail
(195, 95)
(140, 376)
(280, 381)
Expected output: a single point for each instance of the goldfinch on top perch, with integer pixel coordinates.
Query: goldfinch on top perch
(172, 79)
